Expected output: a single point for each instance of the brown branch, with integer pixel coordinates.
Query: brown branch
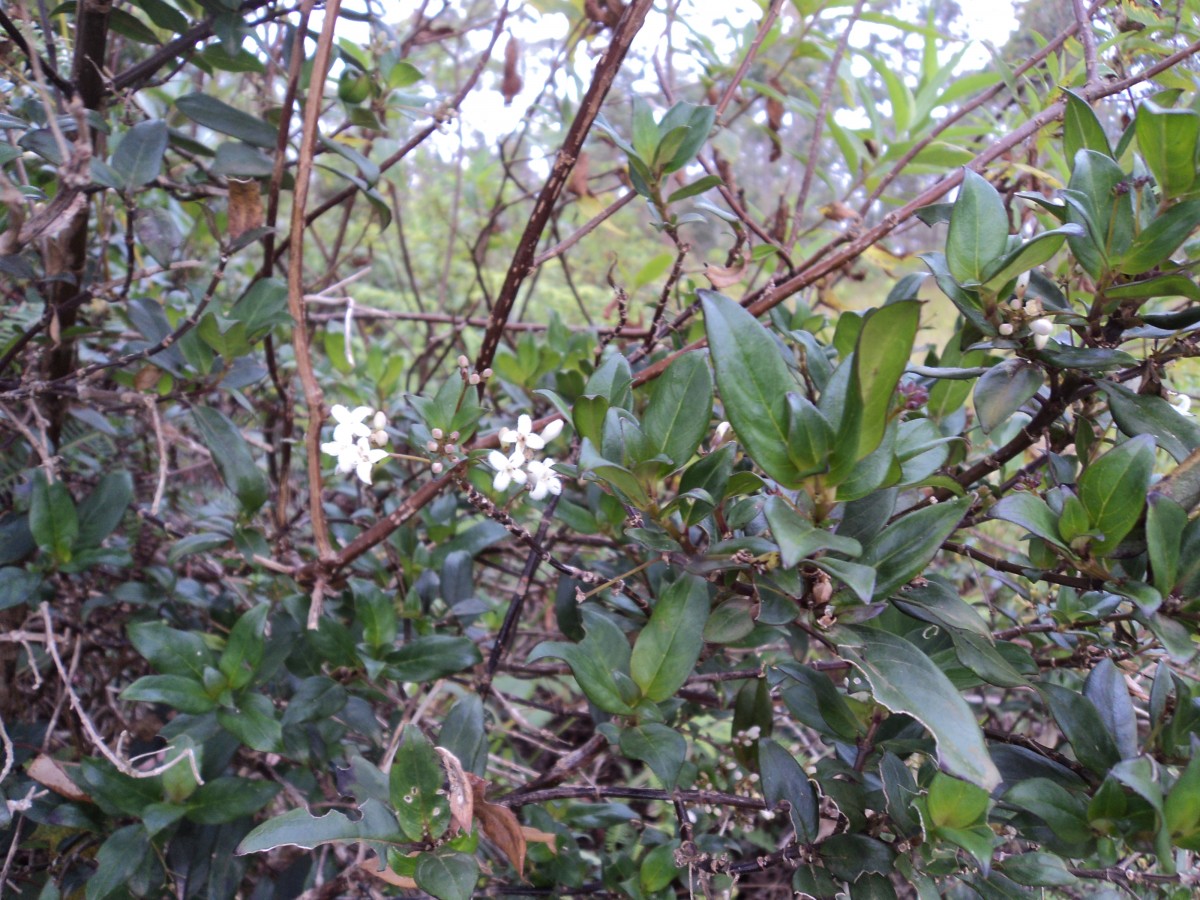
(1088, 39)
(602, 792)
(522, 263)
(313, 397)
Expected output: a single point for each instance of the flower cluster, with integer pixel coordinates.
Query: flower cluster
(520, 465)
(353, 439)
(1030, 314)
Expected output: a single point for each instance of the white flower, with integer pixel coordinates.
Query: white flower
(1042, 329)
(545, 479)
(350, 425)
(508, 469)
(354, 456)
(1182, 404)
(524, 437)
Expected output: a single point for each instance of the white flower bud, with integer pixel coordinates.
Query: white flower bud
(473, 378)
(463, 362)
(1005, 329)
(1044, 327)
(437, 433)
(380, 420)
(431, 446)
(436, 468)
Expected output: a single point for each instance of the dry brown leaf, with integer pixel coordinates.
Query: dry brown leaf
(540, 837)
(578, 183)
(724, 276)
(500, 825)
(146, 377)
(838, 211)
(245, 206)
(512, 83)
(50, 773)
(460, 793)
(386, 874)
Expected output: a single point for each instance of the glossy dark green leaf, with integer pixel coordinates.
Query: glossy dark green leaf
(229, 798)
(1081, 129)
(754, 381)
(1083, 727)
(176, 691)
(1181, 809)
(697, 187)
(1027, 255)
(171, 651)
(1097, 201)
(661, 748)
(223, 118)
(817, 703)
(899, 790)
(447, 874)
(138, 157)
(699, 122)
(852, 856)
(415, 787)
(253, 723)
(678, 414)
(593, 661)
(612, 380)
(244, 647)
(881, 354)
(902, 550)
(1038, 869)
(938, 603)
(1113, 489)
(1138, 414)
(463, 733)
(17, 586)
(1004, 389)
(118, 858)
(1029, 511)
(1165, 524)
(859, 578)
(101, 511)
(1105, 687)
(809, 434)
(53, 520)
(783, 778)
(1158, 240)
(232, 456)
(1064, 811)
(666, 651)
(1167, 140)
(798, 538)
(431, 657)
(905, 680)
(317, 697)
(978, 231)
(966, 301)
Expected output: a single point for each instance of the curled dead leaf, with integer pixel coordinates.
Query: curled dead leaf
(500, 825)
(245, 206)
(459, 791)
(724, 276)
(372, 866)
(512, 82)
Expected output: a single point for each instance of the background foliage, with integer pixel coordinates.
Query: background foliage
(865, 562)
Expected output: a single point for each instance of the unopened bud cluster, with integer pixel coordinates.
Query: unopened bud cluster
(1028, 314)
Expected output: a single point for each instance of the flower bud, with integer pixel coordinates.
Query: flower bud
(437, 433)
(431, 446)
(463, 362)
(436, 468)
(1005, 329)
(1043, 327)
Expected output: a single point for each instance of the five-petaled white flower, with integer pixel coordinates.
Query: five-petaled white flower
(508, 469)
(350, 425)
(545, 479)
(354, 455)
(524, 437)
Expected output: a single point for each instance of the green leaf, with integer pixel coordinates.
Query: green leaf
(1161, 286)
(176, 691)
(881, 354)
(1028, 255)
(677, 417)
(118, 858)
(666, 651)
(1138, 414)
(905, 680)
(661, 748)
(101, 511)
(226, 799)
(221, 117)
(938, 603)
(1113, 490)
(978, 231)
(1081, 129)
(232, 456)
(612, 380)
(447, 874)
(1105, 687)
(754, 381)
(138, 157)
(1097, 200)
(797, 537)
(1038, 869)
(1162, 237)
(953, 803)
(53, 520)
(1165, 523)
(297, 828)
(903, 549)
(699, 121)
(244, 648)
(1083, 727)
(432, 657)
(1063, 811)
(1181, 809)
(415, 783)
(594, 660)
(1005, 389)
(859, 578)
(253, 723)
(783, 778)
(699, 186)
(17, 586)
(1029, 511)
(317, 697)
(809, 434)
(171, 651)
(1167, 139)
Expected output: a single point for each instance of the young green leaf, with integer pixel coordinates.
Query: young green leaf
(667, 649)
(1113, 490)
(978, 232)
